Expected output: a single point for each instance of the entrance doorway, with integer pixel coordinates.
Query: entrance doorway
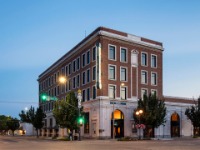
(118, 124)
(175, 125)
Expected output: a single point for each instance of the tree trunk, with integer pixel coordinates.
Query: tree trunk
(12, 132)
(37, 133)
(149, 131)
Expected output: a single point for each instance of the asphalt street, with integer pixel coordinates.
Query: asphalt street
(32, 143)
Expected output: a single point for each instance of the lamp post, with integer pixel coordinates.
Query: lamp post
(79, 97)
(139, 113)
(113, 116)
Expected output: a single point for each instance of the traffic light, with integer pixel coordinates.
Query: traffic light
(43, 97)
(80, 121)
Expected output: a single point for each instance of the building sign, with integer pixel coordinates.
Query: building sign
(98, 66)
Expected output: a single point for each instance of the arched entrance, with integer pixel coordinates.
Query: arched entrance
(118, 124)
(175, 125)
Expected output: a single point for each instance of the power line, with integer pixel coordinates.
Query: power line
(19, 102)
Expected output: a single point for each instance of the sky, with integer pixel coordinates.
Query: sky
(36, 33)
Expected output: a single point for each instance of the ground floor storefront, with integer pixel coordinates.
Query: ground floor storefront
(107, 119)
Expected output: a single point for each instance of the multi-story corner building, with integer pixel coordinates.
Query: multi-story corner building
(113, 69)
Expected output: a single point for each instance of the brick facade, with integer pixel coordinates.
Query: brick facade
(100, 107)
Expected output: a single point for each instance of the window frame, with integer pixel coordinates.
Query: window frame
(152, 62)
(126, 58)
(88, 79)
(115, 72)
(94, 54)
(114, 92)
(115, 55)
(74, 66)
(154, 80)
(142, 95)
(78, 63)
(83, 60)
(146, 78)
(94, 73)
(94, 87)
(144, 65)
(126, 73)
(126, 92)
(83, 78)
(88, 60)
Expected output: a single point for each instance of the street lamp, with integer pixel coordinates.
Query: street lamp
(79, 97)
(139, 113)
(62, 79)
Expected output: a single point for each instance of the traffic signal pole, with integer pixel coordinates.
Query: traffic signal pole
(79, 97)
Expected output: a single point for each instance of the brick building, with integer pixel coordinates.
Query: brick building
(113, 69)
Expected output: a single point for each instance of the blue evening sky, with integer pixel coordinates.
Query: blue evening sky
(35, 33)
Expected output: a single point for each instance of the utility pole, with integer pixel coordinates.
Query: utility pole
(79, 97)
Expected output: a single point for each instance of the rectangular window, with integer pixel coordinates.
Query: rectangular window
(78, 63)
(63, 88)
(123, 55)
(112, 52)
(83, 78)
(144, 59)
(78, 80)
(49, 82)
(55, 78)
(58, 90)
(112, 91)
(94, 53)
(66, 70)
(88, 57)
(88, 75)
(66, 86)
(69, 85)
(83, 60)
(123, 93)
(153, 78)
(52, 80)
(154, 92)
(52, 94)
(112, 72)
(58, 75)
(94, 73)
(88, 94)
(86, 123)
(74, 65)
(143, 92)
(74, 82)
(83, 95)
(63, 71)
(69, 67)
(123, 74)
(94, 92)
(153, 61)
(144, 77)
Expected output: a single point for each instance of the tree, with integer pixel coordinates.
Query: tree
(193, 114)
(3, 123)
(66, 112)
(33, 117)
(154, 112)
(13, 124)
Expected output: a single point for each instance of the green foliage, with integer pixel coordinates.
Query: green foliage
(66, 112)
(3, 123)
(8, 123)
(13, 124)
(193, 114)
(154, 111)
(33, 117)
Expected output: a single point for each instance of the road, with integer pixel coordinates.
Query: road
(32, 143)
